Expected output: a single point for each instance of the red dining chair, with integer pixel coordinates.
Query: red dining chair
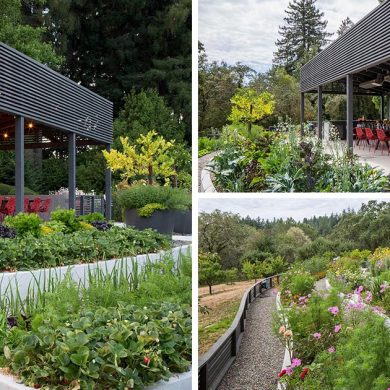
(26, 204)
(370, 137)
(10, 206)
(35, 206)
(384, 139)
(45, 205)
(361, 136)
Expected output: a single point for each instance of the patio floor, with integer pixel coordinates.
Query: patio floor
(376, 160)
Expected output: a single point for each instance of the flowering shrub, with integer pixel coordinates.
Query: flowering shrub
(296, 285)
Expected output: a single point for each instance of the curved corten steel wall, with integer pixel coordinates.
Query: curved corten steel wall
(32, 90)
(365, 45)
(214, 365)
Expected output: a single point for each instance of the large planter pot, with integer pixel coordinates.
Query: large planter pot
(162, 221)
(183, 222)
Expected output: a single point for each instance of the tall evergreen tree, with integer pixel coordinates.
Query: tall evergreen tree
(302, 36)
(345, 25)
(115, 47)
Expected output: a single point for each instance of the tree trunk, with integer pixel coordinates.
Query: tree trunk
(210, 291)
(250, 120)
(150, 175)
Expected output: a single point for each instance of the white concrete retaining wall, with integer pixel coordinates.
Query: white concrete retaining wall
(23, 280)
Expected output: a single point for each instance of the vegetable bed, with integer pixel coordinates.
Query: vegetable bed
(121, 329)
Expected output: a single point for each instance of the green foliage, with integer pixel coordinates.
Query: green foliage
(250, 107)
(297, 282)
(27, 39)
(230, 275)
(207, 145)
(25, 223)
(80, 332)
(82, 246)
(91, 217)
(6, 189)
(147, 210)
(140, 196)
(121, 62)
(210, 270)
(249, 270)
(68, 218)
(145, 111)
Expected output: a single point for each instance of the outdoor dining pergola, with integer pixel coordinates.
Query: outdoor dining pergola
(357, 63)
(41, 109)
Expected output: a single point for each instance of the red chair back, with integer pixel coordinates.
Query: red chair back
(381, 135)
(11, 206)
(370, 134)
(35, 205)
(359, 133)
(45, 205)
(26, 204)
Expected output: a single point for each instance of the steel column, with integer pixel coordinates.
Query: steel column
(319, 112)
(302, 112)
(108, 189)
(19, 163)
(72, 170)
(382, 107)
(350, 112)
(388, 106)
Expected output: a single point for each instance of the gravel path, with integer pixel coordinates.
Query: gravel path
(261, 353)
(202, 163)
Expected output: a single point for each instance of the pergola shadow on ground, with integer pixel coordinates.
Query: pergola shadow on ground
(41, 109)
(357, 63)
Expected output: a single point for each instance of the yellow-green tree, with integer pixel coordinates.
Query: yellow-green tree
(250, 107)
(147, 159)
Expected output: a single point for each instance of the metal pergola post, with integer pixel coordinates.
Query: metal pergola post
(388, 106)
(302, 111)
(350, 111)
(319, 112)
(72, 170)
(108, 190)
(382, 107)
(19, 163)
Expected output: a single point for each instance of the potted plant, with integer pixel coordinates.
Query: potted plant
(146, 206)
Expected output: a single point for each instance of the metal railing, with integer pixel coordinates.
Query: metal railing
(215, 363)
(86, 204)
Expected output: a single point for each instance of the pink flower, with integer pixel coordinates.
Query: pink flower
(378, 310)
(359, 290)
(296, 362)
(368, 297)
(334, 310)
(384, 287)
(317, 335)
(337, 328)
(331, 349)
(289, 371)
(355, 306)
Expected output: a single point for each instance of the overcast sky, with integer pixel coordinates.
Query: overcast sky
(297, 208)
(246, 30)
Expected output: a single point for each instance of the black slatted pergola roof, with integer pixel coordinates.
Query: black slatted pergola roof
(363, 51)
(50, 103)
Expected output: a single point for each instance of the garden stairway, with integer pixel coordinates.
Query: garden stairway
(261, 353)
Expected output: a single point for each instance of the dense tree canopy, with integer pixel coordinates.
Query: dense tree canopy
(238, 240)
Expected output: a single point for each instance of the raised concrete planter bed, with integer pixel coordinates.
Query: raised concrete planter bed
(177, 382)
(22, 279)
(25, 279)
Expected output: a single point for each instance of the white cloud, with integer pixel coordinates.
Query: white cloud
(297, 208)
(246, 30)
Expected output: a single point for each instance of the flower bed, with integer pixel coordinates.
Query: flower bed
(339, 342)
(67, 240)
(123, 329)
(285, 161)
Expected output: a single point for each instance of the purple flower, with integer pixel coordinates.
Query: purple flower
(317, 335)
(355, 306)
(334, 310)
(296, 362)
(378, 310)
(384, 287)
(289, 371)
(359, 290)
(368, 297)
(337, 328)
(331, 349)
